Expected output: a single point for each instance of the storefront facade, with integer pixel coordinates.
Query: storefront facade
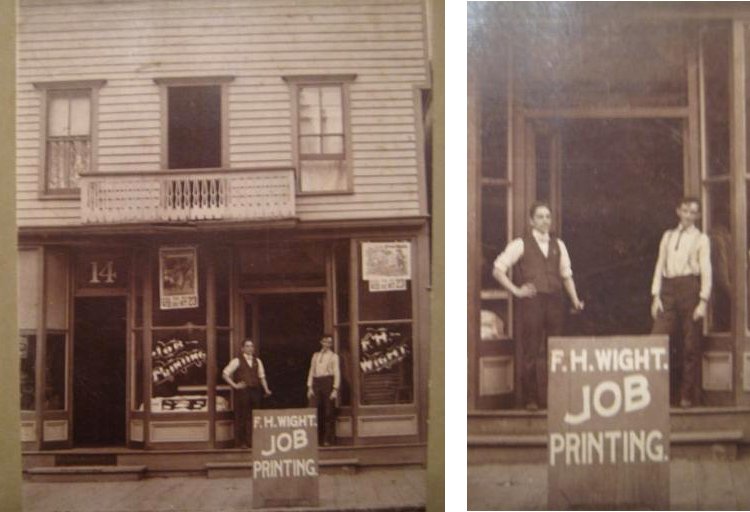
(611, 116)
(165, 217)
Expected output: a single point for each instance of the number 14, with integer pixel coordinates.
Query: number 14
(107, 273)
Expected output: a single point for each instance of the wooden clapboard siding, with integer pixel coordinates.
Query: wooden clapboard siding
(128, 44)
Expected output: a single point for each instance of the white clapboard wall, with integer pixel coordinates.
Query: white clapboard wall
(128, 43)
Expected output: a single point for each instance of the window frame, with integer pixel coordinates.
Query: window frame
(164, 84)
(47, 90)
(297, 82)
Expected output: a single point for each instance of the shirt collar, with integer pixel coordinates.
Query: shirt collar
(539, 236)
(687, 230)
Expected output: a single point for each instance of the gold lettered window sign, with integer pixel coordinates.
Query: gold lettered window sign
(97, 271)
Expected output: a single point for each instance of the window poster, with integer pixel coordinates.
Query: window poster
(386, 265)
(178, 277)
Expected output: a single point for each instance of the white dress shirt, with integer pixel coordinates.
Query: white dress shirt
(232, 366)
(515, 249)
(683, 252)
(325, 364)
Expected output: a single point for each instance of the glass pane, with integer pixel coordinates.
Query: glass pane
(377, 302)
(28, 289)
(309, 110)
(341, 254)
(333, 144)
(386, 365)
(80, 115)
(137, 372)
(719, 232)
(715, 46)
(79, 155)
(494, 320)
(493, 102)
(283, 264)
(332, 114)
(59, 111)
(178, 371)
(28, 372)
(54, 376)
(494, 231)
(309, 145)
(345, 365)
(56, 275)
(223, 355)
(179, 279)
(223, 270)
(322, 175)
(194, 127)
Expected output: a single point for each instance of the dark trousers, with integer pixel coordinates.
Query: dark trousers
(247, 400)
(321, 400)
(542, 316)
(680, 296)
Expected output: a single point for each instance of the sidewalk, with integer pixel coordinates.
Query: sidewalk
(368, 490)
(694, 485)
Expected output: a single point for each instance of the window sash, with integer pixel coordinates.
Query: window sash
(68, 139)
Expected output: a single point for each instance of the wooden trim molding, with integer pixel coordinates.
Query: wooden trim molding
(193, 80)
(315, 79)
(70, 84)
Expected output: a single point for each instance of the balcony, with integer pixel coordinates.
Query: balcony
(186, 196)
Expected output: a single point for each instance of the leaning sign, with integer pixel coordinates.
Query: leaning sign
(285, 458)
(608, 423)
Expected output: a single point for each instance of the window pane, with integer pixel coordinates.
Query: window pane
(28, 289)
(322, 175)
(178, 371)
(385, 362)
(56, 276)
(54, 368)
(223, 355)
(494, 230)
(715, 46)
(374, 302)
(332, 115)
(309, 110)
(309, 145)
(719, 232)
(333, 144)
(28, 374)
(194, 127)
(57, 123)
(66, 160)
(80, 115)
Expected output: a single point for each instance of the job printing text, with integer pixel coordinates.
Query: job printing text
(606, 447)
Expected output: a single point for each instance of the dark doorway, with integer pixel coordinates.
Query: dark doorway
(619, 185)
(289, 331)
(99, 356)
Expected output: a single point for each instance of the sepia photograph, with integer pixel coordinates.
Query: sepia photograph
(224, 229)
(608, 232)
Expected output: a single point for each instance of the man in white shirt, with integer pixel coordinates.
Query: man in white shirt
(681, 288)
(545, 270)
(249, 377)
(323, 381)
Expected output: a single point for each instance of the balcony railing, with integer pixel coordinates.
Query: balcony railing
(181, 196)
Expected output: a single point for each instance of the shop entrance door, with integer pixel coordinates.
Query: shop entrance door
(286, 328)
(613, 184)
(99, 357)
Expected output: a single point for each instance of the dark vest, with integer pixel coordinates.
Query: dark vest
(249, 375)
(543, 273)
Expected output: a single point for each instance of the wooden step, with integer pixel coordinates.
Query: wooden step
(532, 448)
(245, 468)
(86, 473)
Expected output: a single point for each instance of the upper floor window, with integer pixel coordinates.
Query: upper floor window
(195, 130)
(322, 140)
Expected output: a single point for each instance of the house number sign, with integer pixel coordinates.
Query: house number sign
(102, 271)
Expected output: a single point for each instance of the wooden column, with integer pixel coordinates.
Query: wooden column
(738, 171)
(474, 238)
(211, 343)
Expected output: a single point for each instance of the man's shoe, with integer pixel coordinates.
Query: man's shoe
(685, 403)
(532, 406)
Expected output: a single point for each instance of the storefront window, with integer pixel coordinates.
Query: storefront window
(137, 369)
(385, 340)
(178, 371)
(28, 375)
(386, 364)
(222, 271)
(283, 264)
(345, 366)
(180, 287)
(719, 233)
(54, 367)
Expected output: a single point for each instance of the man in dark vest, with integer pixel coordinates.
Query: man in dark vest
(544, 271)
(249, 376)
